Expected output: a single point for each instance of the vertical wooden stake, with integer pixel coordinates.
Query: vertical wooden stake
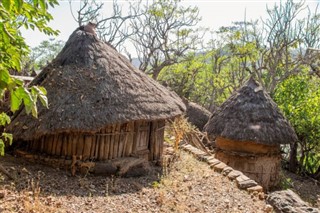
(102, 144)
(107, 148)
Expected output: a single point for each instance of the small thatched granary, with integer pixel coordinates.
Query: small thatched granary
(196, 114)
(249, 129)
(100, 106)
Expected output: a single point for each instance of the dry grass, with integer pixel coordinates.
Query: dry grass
(183, 131)
(29, 200)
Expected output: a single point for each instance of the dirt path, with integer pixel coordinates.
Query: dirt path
(190, 186)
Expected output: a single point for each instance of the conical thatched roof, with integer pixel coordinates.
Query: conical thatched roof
(251, 115)
(90, 85)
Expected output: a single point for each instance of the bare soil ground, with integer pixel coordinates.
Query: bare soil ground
(188, 186)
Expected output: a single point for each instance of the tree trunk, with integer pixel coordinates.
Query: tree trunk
(293, 163)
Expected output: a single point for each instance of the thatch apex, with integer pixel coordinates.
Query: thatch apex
(90, 86)
(250, 114)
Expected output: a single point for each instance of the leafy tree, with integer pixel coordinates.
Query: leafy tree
(201, 78)
(164, 34)
(299, 99)
(15, 14)
(208, 78)
(45, 52)
(39, 57)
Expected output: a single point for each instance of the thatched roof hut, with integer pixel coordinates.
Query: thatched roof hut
(95, 92)
(196, 114)
(250, 114)
(249, 125)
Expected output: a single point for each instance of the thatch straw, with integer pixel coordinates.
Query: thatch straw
(90, 85)
(250, 114)
(196, 114)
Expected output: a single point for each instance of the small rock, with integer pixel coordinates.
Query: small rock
(186, 178)
(208, 158)
(268, 208)
(219, 167)
(92, 186)
(205, 157)
(246, 183)
(257, 188)
(213, 162)
(261, 196)
(241, 178)
(234, 174)
(227, 170)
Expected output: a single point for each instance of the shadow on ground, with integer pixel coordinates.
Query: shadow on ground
(50, 181)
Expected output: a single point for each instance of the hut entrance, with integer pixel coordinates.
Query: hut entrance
(142, 141)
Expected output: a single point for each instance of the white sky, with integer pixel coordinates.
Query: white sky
(214, 13)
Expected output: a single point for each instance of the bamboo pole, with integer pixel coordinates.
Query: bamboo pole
(111, 142)
(74, 141)
(50, 144)
(41, 144)
(80, 145)
(129, 138)
(45, 145)
(156, 144)
(123, 128)
(116, 142)
(108, 148)
(54, 144)
(93, 147)
(59, 144)
(64, 145)
(125, 139)
(136, 137)
(101, 155)
(69, 146)
(87, 147)
(161, 125)
(96, 152)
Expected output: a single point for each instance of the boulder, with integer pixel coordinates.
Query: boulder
(287, 201)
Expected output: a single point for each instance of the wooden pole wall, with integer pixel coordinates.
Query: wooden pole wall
(115, 141)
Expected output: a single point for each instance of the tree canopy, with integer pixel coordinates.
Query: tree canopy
(15, 14)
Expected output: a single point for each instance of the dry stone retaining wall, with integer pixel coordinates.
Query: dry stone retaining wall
(243, 182)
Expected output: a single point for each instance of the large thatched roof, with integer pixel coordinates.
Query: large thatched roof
(90, 85)
(251, 115)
